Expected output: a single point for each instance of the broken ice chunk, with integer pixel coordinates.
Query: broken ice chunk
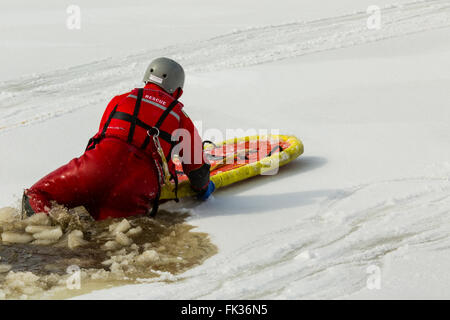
(51, 234)
(36, 229)
(43, 242)
(38, 219)
(134, 231)
(111, 245)
(16, 237)
(123, 239)
(75, 239)
(123, 227)
(147, 257)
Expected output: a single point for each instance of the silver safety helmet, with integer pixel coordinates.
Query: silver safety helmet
(166, 73)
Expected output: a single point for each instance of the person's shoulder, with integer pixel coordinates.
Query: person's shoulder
(119, 97)
(124, 95)
(182, 111)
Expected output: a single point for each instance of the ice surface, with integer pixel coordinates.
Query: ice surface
(371, 107)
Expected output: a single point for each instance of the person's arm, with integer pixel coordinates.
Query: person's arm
(195, 166)
(114, 101)
(95, 139)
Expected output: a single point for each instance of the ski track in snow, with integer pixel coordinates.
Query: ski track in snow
(26, 100)
(326, 253)
(300, 262)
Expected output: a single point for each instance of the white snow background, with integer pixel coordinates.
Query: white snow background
(372, 107)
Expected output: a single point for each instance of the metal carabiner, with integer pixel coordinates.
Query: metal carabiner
(153, 135)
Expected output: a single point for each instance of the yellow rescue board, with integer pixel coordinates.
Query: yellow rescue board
(249, 157)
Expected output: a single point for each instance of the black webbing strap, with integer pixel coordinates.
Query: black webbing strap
(174, 174)
(164, 135)
(175, 180)
(128, 117)
(135, 121)
(134, 118)
(111, 116)
(155, 203)
(94, 141)
(274, 149)
(166, 113)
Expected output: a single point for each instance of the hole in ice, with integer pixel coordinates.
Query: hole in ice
(38, 254)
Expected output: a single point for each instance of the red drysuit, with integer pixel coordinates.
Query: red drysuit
(120, 173)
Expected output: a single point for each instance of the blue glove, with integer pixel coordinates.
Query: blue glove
(207, 193)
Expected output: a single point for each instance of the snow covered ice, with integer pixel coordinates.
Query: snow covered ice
(371, 192)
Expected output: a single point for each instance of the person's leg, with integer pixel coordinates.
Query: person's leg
(61, 185)
(83, 181)
(113, 180)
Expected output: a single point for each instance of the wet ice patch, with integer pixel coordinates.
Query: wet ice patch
(38, 255)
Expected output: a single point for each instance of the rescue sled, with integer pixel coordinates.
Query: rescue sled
(239, 159)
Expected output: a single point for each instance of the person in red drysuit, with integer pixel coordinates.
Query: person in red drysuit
(121, 171)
